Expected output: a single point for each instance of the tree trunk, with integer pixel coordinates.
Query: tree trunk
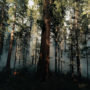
(11, 45)
(10, 51)
(77, 41)
(15, 57)
(65, 42)
(86, 52)
(56, 54)
(43, 65)
(56, 50)
(71, 58)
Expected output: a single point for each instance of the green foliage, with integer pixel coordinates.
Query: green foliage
(3, 12)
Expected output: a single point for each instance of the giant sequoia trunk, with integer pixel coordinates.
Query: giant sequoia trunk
(11, 45)
(43, 65)
(10, 50)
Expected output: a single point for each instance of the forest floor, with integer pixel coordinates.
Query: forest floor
(28, 81)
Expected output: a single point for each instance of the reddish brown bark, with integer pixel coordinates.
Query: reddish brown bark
(10, 45)
(43, 65)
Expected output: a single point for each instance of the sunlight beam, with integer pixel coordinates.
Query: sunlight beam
(30, 3)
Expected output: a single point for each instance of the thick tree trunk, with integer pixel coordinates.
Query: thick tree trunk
(43, 65)
(40, 68)
(11, 45)
(10, 51)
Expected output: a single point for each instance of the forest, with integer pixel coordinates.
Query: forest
(44, 44)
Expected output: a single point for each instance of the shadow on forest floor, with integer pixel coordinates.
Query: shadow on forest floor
(27, 81)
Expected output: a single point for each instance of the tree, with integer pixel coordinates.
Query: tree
(11, 41)
(43, 65)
